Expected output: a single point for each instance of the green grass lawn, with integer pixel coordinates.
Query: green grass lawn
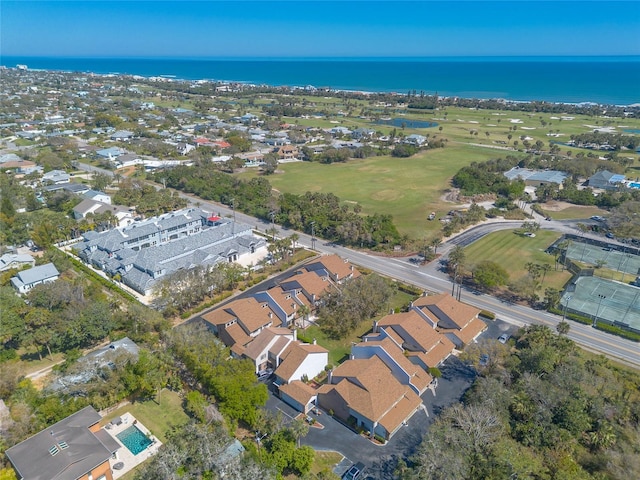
(339, 350)
(325, 459)
(513, 251)
(158, 415)
(407, 188)
(575, 212)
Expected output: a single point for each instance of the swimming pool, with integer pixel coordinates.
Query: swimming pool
(634, 185)
(134, 439)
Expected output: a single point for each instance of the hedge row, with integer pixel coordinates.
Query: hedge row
(605, 327)
(487, 314)
(101, 280)
(620, 332)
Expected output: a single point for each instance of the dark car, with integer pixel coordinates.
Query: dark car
(354, 472)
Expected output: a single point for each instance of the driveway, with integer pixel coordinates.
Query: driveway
(381, 460)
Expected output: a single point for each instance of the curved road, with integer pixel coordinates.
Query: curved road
(428, 277)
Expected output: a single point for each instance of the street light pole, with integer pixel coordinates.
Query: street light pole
(272, 214)
(313, 235)
(595, 319)
(566, 305)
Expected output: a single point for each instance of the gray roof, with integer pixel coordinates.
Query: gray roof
(37, 274)
(64, 451)
(141, 268)
(526, 174)
(8, 258)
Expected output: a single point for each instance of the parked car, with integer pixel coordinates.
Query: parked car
(504, 338)
(354, 472)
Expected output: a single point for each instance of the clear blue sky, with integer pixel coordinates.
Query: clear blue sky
(318, 28)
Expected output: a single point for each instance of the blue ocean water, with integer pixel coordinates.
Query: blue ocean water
(609, 80)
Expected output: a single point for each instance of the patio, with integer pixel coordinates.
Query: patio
(124, 460)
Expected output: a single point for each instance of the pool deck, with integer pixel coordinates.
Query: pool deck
(123, 454)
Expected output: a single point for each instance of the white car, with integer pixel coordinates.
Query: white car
(504, 338)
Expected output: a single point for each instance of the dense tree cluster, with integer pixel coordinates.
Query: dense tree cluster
(231, 382)
(357, 300)
(146, 199)
(487, 177)
(541, 411)
(67, 314)
(199, 451)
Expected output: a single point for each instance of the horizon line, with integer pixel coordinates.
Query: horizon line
(311, 58)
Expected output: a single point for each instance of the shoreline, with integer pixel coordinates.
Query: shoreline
(476, 92)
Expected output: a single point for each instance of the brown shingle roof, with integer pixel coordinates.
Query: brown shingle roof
(337, 266)
(419, 377)
(414, 331)
(368, 386)
(469, 332)
(457, 312)
(268, 338)
(400, 411)
(299, 391)
(293, 357)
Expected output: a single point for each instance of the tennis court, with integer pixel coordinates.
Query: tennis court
(613, 259)
(610, 301)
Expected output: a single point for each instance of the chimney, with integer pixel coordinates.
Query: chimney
(270, 314)
(295, 335)
(314, 341)
(424, 293)
(375, 326)
(329, 377)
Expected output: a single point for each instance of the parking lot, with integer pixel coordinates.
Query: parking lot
(381, 460)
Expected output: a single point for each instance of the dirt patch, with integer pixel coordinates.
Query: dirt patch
(554, 206)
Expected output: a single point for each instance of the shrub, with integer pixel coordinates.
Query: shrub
(488, 315)
(615, 330)
(380, 439)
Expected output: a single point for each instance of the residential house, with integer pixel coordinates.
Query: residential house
(415, 139)
(144, 252)
(184, 148)
(299, 395)
(25, 280)
(14, 260)
(420, 342)
(365, 394)
(537, 178)
(266, 348)
(97, 196)
(76, 188)
(300, 361)
(88, 206)
(606, 180)
(75, 448)
(240, 321)
(393, 356)
(56, 177)
(287, 152)
(458, 321)
(122, 135)
(312, 285)
(336, 268)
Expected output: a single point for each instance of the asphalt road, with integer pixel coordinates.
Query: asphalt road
(429, 278)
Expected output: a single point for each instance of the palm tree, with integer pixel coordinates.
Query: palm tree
(545, 267)
(294, 240)
(298, 429)
(435, 243)
(563, 327)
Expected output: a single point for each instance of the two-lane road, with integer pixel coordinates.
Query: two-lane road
(429, 278)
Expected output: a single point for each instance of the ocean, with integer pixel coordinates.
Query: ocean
(606, 80)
